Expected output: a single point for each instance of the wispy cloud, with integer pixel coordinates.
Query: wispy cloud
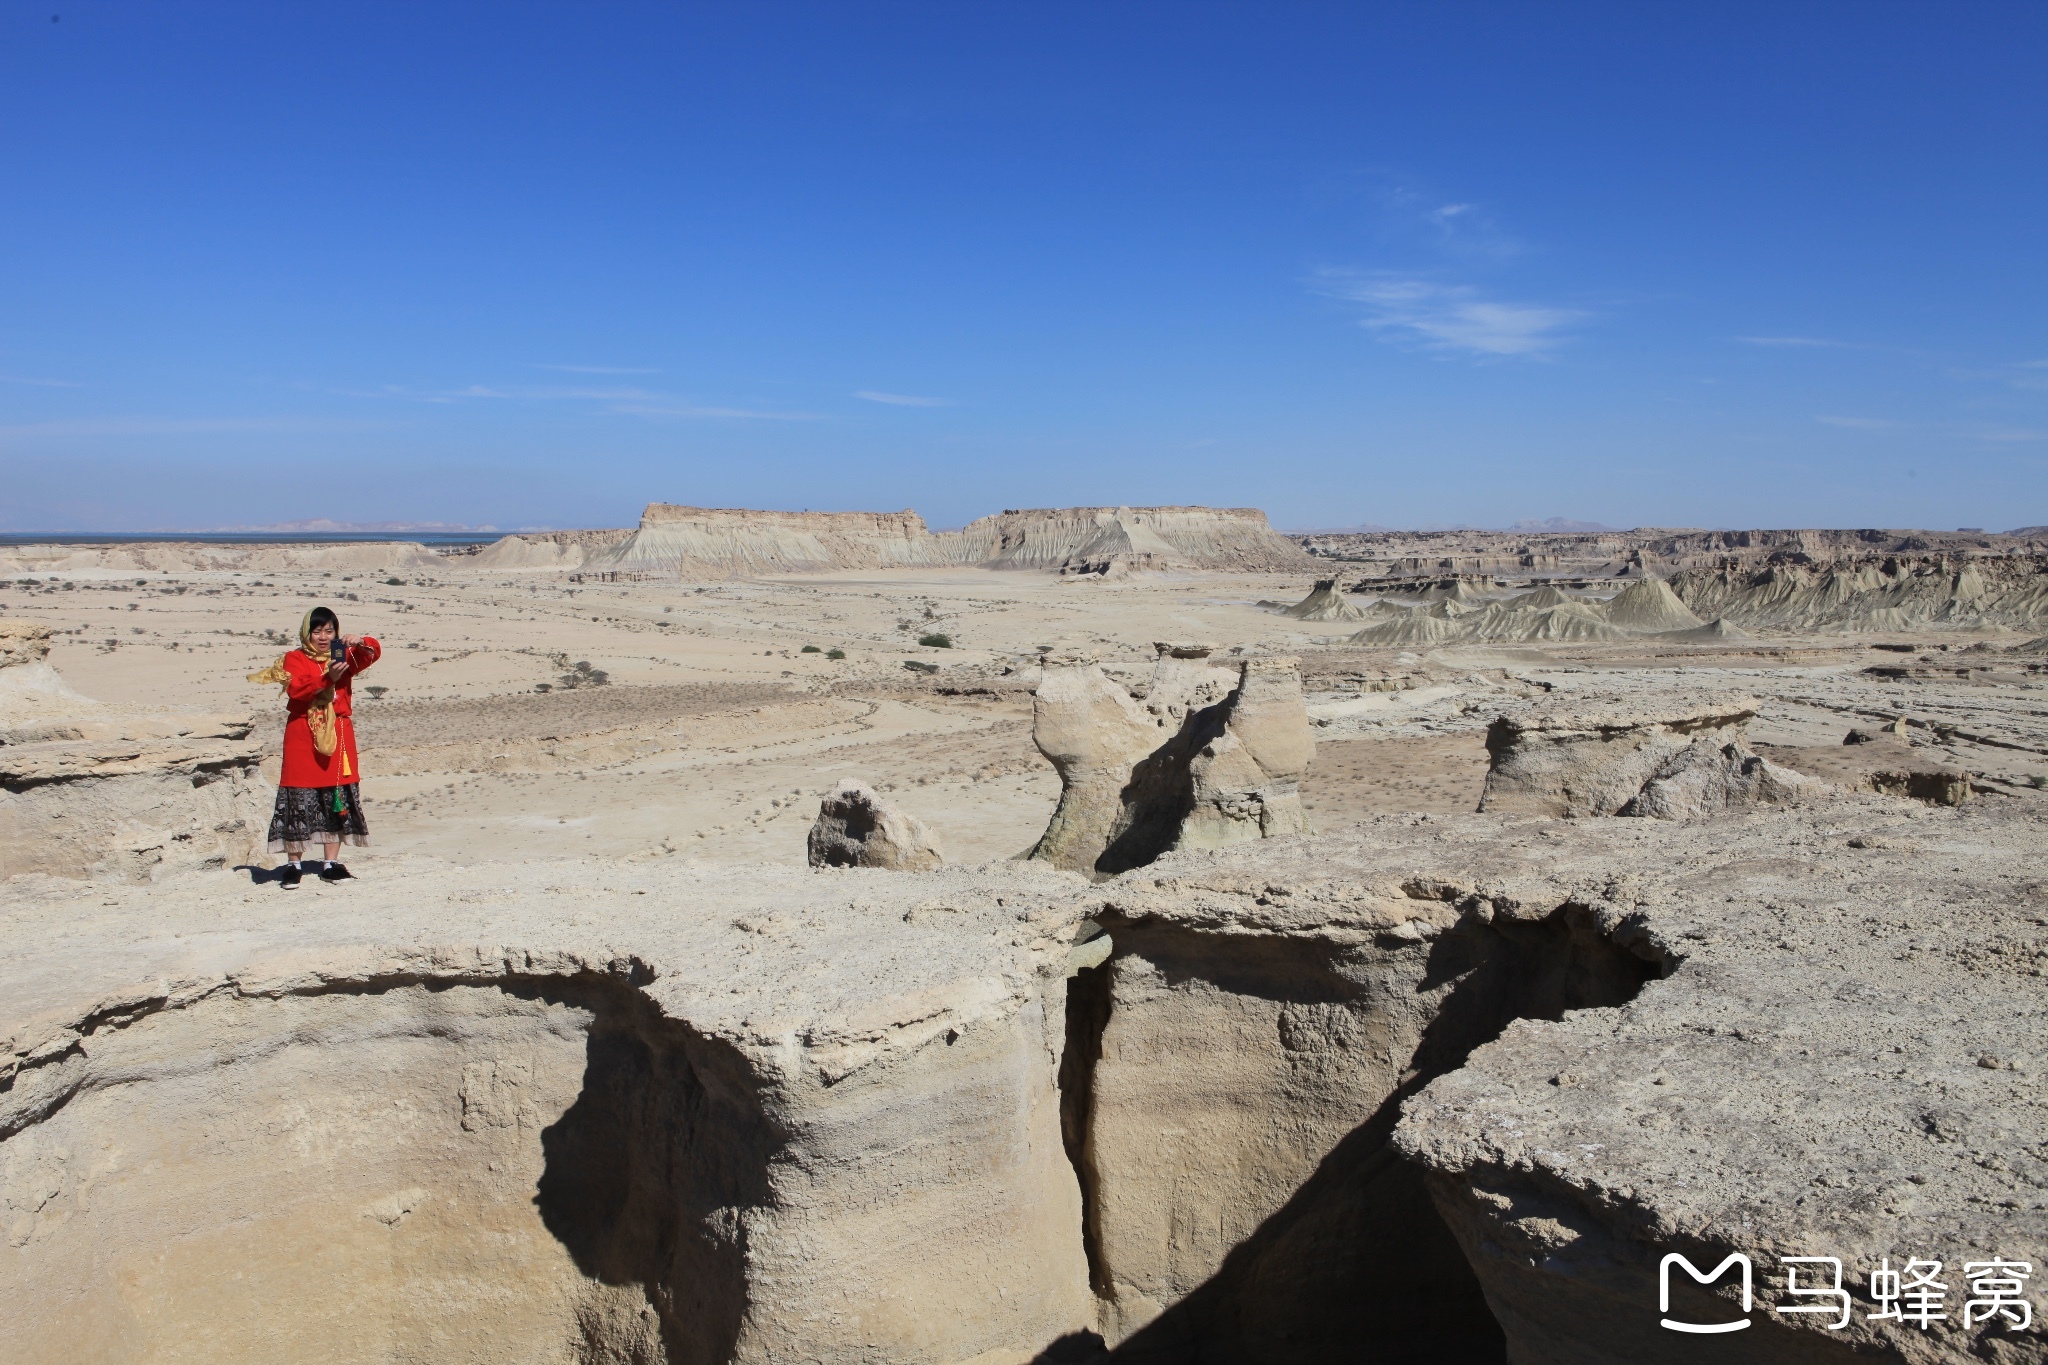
(40, 383)
(1859, 423)
(596, 369)
(901, 400)
(2010, 434)
(1448, 317)
(1440, 224)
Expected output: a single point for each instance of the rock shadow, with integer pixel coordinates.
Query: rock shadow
(647, 1180)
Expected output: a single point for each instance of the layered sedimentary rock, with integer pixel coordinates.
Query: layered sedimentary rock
(1091, 540)
(718, 541)
(1325, 602)
(1594, 756)
(1650, 606)
(857, 828)
(1889, 593)
(549, 549)
(1654, 551)
(1107, 541)
(1212, 756)
(87, 789)
(660, 1116)
(1647, 607)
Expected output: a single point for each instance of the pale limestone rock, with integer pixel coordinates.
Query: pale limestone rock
(1706, 778)
(1593, 757)
(92, 790)
(1213, 756)
(527, 1113)
(1084, 541)
(669, 1114)
(23, 642)
(857, 828)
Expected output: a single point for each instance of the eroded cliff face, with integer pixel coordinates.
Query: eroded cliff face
(1102, 540)
(343, 1142)
(717, 541)
(88, 790)
(1443, 1089)
(1086, 541)
(1257, 1029)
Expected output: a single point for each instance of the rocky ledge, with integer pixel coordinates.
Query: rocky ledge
(1455, 1087)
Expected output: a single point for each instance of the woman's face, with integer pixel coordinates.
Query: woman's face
(321, 637)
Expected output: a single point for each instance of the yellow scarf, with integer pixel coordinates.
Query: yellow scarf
(320, 717)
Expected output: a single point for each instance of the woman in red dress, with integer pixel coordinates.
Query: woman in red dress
(317, 793)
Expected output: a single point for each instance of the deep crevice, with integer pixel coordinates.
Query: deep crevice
(1357, 1264)
(1087, 1016)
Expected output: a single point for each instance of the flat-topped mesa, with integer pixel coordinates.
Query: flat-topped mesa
(1603, 756)
(94, 790)
(1213, 756)
(1072, 539)
(717, 541)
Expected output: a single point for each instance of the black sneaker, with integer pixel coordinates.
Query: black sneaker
(335, 872)
(288, 876)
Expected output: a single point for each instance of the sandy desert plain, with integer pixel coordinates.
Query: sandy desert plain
(1744, 954)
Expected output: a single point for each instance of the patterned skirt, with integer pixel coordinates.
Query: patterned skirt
(318, 815)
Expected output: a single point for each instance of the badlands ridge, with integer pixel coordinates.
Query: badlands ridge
(1094, 934)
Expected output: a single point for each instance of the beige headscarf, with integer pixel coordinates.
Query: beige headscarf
(320, 716)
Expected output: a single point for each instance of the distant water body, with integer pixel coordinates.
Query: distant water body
(246, 537)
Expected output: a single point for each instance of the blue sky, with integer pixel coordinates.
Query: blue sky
(1646, 264)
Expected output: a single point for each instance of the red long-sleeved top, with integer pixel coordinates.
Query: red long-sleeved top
(303, 766)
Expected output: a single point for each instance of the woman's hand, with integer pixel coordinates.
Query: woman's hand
(339, 669)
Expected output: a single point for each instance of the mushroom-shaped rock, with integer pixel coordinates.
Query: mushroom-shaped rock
(856, 828)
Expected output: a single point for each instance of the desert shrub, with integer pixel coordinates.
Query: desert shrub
(808, 649)
(936, 640)
(376, 692)
(835, 653)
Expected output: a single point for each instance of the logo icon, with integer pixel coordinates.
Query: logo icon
(1706, 1277)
